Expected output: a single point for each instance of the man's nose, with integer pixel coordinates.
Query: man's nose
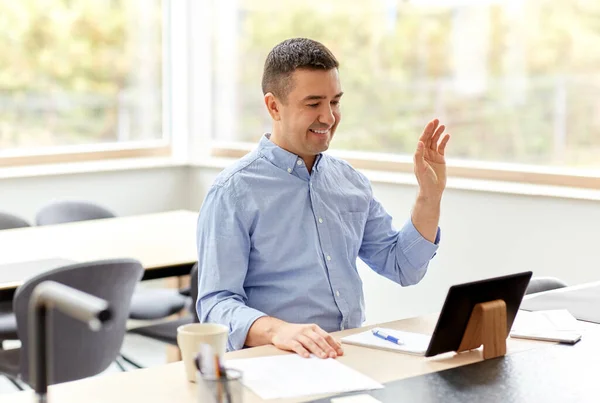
(327, 117)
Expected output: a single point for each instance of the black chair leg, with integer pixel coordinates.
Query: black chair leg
(120, 365)
(14, 382)
(130, 361)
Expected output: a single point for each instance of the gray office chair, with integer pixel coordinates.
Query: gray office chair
(61, 212)
(540, 284)
(10, 221)
(156, 303)
(150, 304)
(167, 331)
(8, 323)
(77, 351)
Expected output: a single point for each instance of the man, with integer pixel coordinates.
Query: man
(279, 232)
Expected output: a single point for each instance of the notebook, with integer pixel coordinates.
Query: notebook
(413, 343)
(551, 325)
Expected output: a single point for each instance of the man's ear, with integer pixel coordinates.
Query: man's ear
(273, 106)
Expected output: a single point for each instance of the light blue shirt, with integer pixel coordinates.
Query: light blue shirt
(275, 240)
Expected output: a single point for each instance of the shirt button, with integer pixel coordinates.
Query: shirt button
(289, 170)
(299, 162)
(320, 220)
(337, 293)
(328, 257)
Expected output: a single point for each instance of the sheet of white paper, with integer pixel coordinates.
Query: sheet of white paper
(540, 321)
(561, 319)
(286, 376)
(355, 399)
(412, 343)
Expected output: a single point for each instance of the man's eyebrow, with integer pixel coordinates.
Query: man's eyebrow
(317, 97)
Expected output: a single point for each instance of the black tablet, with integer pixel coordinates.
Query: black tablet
(462, 298)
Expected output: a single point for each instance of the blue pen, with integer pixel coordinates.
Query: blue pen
(381, 335)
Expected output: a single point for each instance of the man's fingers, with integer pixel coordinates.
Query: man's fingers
(436, 137)
(339, 348)
(442, 147)
(323, 343)
(299, 349)
(428, 131)
(331, 341)
(311, 346)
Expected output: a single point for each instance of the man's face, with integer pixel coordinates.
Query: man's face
(311, 113)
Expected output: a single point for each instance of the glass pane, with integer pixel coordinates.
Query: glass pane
(515, 81)
(80, 72)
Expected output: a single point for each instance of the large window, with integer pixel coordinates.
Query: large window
(80, 72)
(515, 81)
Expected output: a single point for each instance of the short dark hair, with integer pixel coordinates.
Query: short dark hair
(292, 54)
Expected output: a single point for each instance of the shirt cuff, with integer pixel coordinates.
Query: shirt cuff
(417, 250)
(242, 321)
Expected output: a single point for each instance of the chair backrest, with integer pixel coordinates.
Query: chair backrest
(10, 221)
(70, 211)
(194, 291)
(76, 351)
(539, 284)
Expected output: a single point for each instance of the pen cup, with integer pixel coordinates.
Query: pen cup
(192, 336)
(226, 389)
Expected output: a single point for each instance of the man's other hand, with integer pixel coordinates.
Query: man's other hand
(306, 339)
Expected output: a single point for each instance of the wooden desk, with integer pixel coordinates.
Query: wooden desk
(168, 383)
(165, 244)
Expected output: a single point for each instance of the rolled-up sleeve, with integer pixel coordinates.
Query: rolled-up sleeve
(223, 251)
(402, 256)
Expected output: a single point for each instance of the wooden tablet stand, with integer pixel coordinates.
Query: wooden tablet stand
(487, 326)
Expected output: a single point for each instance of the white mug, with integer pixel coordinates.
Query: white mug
(191, 336)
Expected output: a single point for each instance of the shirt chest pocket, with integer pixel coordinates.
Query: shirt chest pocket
(353, 227)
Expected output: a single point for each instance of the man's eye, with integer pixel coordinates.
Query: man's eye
(335, 102)
(313, 105)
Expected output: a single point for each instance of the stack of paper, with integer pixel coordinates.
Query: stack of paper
(286, 376)
(554, 325)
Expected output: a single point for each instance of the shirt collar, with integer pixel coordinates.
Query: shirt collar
(284, 159)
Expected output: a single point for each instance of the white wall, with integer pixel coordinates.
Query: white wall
(483, 234)
(126, 192)
(489, 234)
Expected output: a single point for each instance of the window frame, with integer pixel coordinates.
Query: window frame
(479, 170)
(173, 14)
